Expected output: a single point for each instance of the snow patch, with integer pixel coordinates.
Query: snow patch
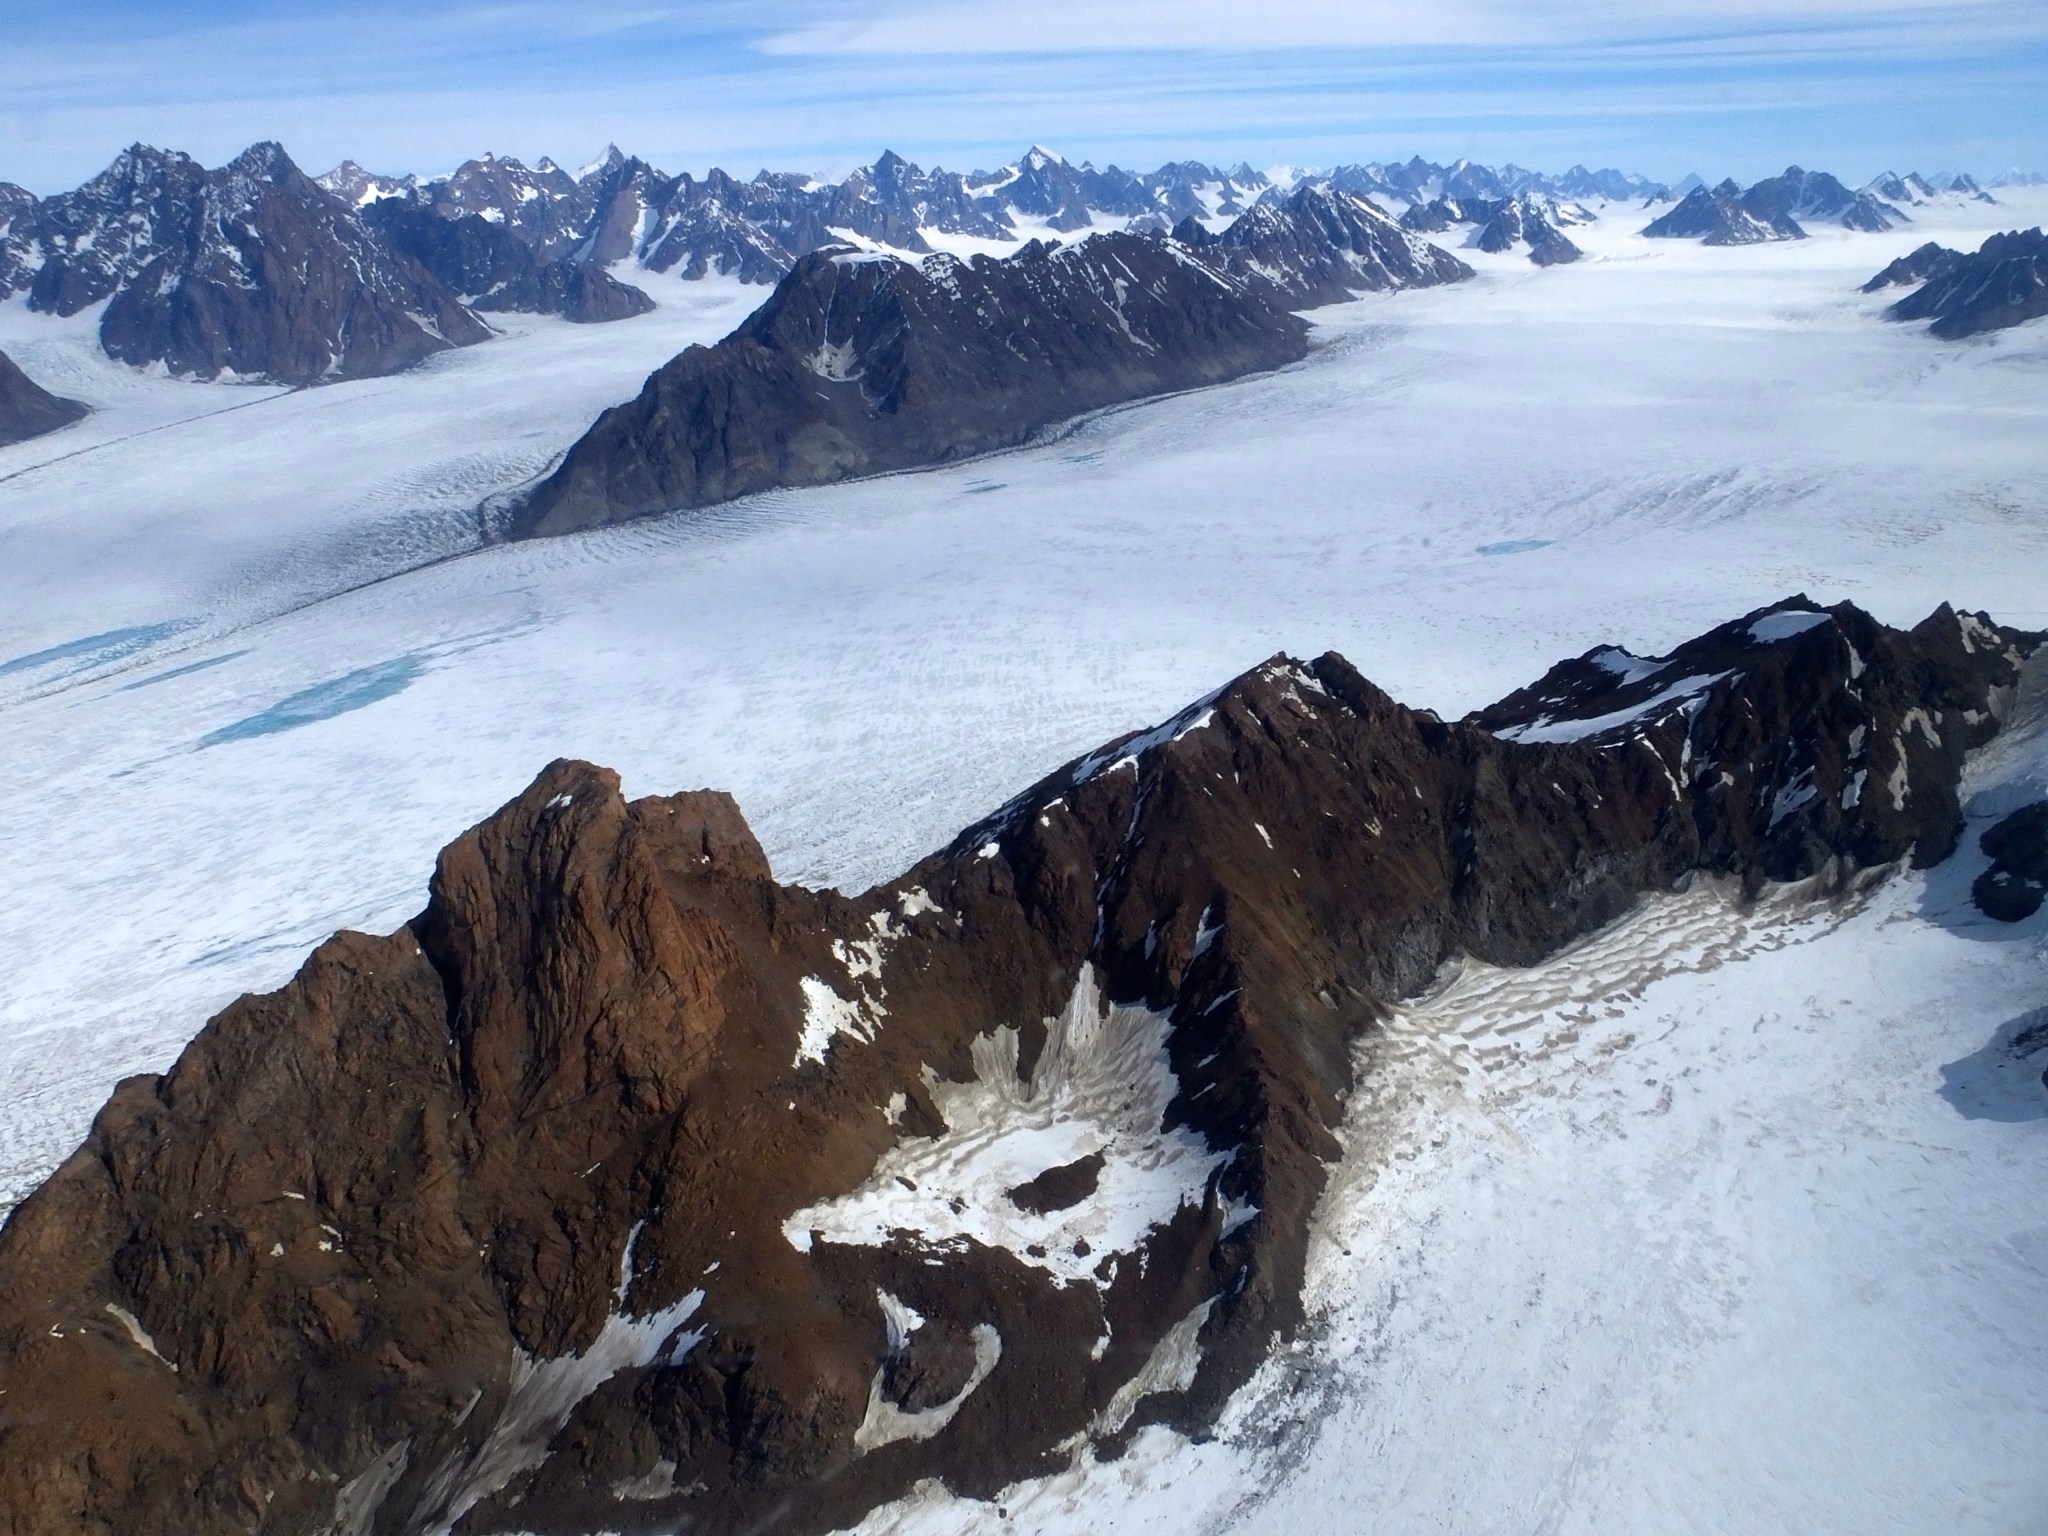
(1102, 1084)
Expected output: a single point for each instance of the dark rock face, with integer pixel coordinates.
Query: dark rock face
(2012, 889)
(1531, 221)
(78, 248)
(1720, 216)
(1058, 1188)
(858, 365)
(251, 270)
(27, 409)
(1815, 195)
(1320, 246)
(613, 1192)
(492, 268)
(542, 205)
(1916, 266)
(2004, 283)
(277, 280)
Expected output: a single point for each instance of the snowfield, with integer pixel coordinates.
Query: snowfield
(1726, 1220)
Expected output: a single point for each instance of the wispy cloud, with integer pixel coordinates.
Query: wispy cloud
(1661, 86)
(915, 27)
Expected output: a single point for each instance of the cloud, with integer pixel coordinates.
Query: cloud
(920, 27)
(1849, 86)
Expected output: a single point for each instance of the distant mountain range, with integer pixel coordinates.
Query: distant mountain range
(1774, 208)
(258, 271)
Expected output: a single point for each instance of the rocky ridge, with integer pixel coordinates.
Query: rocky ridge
(860, 364)
(2004, 283)
(1916, 266)
(27, 409)
(626, 1189)
(1319, 246)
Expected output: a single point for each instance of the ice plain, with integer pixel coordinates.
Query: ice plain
(1728, 1260)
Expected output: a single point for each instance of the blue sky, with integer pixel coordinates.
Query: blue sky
(1661, 86)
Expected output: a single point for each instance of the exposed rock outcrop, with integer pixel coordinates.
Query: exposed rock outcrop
(2012, 889)
(27, 409)
(627, 1189)
(1916, 266)
(1719, 215)
(252, 271)
(492, 269)
(1320, 246)
(1815, 196)
(858, 365)
(2004, 283)
(1773, 209)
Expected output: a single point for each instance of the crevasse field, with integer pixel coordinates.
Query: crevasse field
(1726, 1220)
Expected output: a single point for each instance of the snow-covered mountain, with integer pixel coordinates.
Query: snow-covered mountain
(1319, 246)
(757, 229)
(1913, 190)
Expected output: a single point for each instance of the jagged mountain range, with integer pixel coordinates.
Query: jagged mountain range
(1773, 209)
(1530, 221)
(628, 1189)
(256, 271)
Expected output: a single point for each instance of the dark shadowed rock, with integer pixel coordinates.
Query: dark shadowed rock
(1057, 1188)
(627, 1189)
(1719, 216)
(252, 270)
(2013, 887)
(858, 365)
(27, 409)
(1815, 196)
(542, 206)
(2004, 283)
(1916, 266)
(491, 269)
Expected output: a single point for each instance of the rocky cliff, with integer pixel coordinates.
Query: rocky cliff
(626, 1189)
(27, 409)
(858, 364)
